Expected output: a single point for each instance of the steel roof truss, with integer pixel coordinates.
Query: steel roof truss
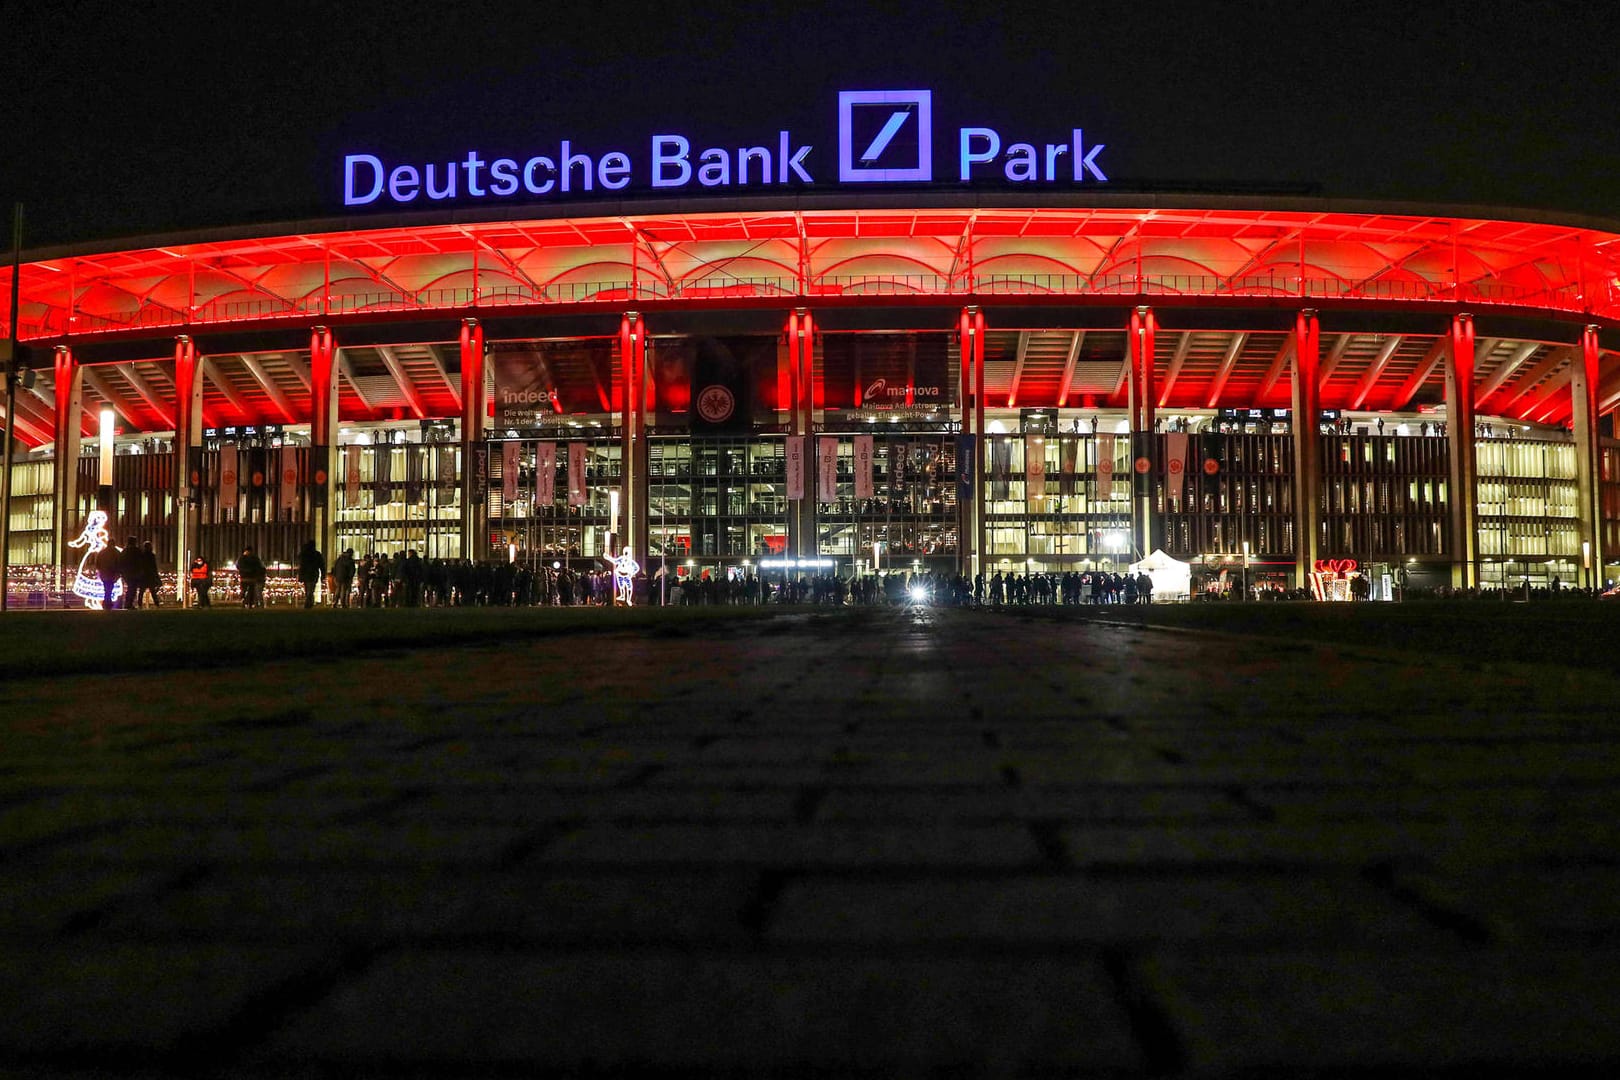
(1233, 351)
(152, 398)
(403, 378)
(272, 391)
(1375, 370)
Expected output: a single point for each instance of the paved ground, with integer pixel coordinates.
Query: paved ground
(885, 843)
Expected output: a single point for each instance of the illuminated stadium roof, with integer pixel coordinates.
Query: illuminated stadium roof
(1239, 255)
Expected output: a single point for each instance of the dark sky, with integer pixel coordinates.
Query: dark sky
(133, 117)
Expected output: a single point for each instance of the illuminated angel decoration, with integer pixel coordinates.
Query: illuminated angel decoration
(87, 582)
(625, 569)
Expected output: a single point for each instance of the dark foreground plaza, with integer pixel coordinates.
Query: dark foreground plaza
(881, 842)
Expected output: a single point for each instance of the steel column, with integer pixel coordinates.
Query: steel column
(1583, 389)
(188, 398)
(323, 370)
(474, 418)
(68, 388)
(1463, 493)
(1307, 405)
(1142, 332)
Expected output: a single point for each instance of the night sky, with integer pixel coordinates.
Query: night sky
(133, 118)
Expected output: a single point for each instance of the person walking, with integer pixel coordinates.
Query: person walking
(250, 574)
(202, 579)
(109, 566)
(129, 568)
(151, 579)
(343, 577)
(311, 565)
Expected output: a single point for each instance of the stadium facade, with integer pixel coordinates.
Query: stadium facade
(1044, 377)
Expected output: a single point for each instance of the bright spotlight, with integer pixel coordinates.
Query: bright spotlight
(918, 593)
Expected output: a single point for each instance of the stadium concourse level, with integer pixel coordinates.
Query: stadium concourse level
(1255, 386)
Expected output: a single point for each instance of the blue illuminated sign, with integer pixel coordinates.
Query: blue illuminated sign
(884, 137)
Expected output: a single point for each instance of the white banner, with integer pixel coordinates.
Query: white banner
(509, 471)
(229, 477)
(289, 478)
(545, 474)
(576, 474)
(827, 469)
(351, 475)
(1035, 467)
(1176, 467)
(863, 466)
(795, 466)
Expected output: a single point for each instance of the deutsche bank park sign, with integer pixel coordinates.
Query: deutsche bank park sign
(884, 137)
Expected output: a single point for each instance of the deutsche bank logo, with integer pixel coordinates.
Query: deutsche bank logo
(885, 136)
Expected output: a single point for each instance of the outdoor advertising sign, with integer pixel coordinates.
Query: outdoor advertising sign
(864, 138)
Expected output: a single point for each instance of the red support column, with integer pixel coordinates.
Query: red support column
(633, 444)
(69, 390)
(1462, 494)
(1307, 405)
(322, 432)
(976, 336)
(474, 418)
(1144, 442)
(967, 498)
(1583, 388)
(188, 474)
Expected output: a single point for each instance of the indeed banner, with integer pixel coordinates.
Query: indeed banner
(872, 137)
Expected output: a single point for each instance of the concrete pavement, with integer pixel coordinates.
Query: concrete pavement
(881, 842)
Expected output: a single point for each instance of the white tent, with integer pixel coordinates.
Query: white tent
(1171, 579)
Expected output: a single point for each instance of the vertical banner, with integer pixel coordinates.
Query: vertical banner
(576, 474)
(1034, 467)
(1000, 466)
(351, 475)
(288, 474)
(863, 466)
(827, 467)
(480, 472)
(382, 471)
(229, 467)
(1105, 466)
(446, 472)
(319, 456)
(545, 473)
(795, 466)
(966, 458)
(1068, 464)
(415, 473)
(509, 471)
(1175, 467)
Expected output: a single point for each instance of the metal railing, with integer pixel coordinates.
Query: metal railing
(1272, 286)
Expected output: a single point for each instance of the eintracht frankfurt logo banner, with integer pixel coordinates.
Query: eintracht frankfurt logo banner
(715, 404)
